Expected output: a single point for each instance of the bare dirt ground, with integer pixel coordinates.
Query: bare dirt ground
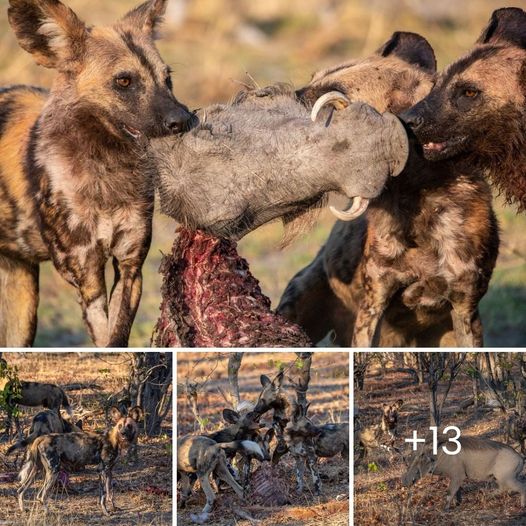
(143, 492)
(329, 397)
(380, 499)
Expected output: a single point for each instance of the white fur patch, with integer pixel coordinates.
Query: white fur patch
(253, 448)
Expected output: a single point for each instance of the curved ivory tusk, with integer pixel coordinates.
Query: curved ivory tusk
(359, 206)
(336, 98)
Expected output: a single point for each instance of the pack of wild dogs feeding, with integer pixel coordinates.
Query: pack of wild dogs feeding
(56, 445)
(289, 431)
(406, 264)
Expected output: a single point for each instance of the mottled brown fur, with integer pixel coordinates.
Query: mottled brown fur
(76, 179)
(476, 112)
(416, 264)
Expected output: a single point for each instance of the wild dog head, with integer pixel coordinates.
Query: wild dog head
(125, 428)
(113, 76)
(394, 78)
(390, 416)
(477, 108)
(300, 426)
(271, 394)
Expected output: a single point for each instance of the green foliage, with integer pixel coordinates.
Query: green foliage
(12, 390)
(382, 486)
(278, 364)
(203, 422)
(372, 467)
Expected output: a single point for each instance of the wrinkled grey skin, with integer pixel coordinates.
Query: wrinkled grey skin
(479, 459)
(263, 158)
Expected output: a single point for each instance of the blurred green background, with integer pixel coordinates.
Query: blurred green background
(212, 45)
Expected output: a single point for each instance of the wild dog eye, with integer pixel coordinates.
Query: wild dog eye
(123, 81)
(169, 83)
(470, 93)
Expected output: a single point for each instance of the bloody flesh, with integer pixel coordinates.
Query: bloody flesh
(210, 299)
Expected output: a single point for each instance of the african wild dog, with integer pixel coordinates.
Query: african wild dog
(373, 436)
(272, 397)
(44, 423)
(202, 456)
(306, 442)
(389, 421)
(50, 452)
(75, 171)
(412, 269)
(33, 394)
(136, 414)
(475, 115)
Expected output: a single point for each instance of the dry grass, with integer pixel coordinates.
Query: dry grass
(380, 499)
(329, 394)
(143, 492)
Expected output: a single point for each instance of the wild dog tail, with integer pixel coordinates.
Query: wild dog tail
(247, 447)
(31, 464)
(19, 445)
(65, 404)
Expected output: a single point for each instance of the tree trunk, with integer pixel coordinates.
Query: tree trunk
(234, 363)
(151, 387)
(303, 363)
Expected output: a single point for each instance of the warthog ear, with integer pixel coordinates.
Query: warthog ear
(147, 17)
(232, 417)
(136, 413)
(50, 31)
(265, 380)
(412, 48)
(115, 414)
(506, 25)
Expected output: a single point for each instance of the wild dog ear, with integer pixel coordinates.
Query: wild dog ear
(50, 31)
(279, 379)
(265, 380)
(78, 424)
(147, 17)
(136, 413)
(412, 48)
(399, 403)
(232, 417)
(115, 414)
(506, 25)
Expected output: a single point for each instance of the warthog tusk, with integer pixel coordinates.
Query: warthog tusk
(336, 98)
(359, 206)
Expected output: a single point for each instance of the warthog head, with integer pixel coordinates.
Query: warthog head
(421, 463)
(264, 158)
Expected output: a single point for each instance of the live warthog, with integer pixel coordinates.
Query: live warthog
(262, 158)
(478, 459)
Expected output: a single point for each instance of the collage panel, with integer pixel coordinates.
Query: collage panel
(86, 438)
(263, 438)
(439, 438)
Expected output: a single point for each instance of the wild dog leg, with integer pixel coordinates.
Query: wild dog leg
(186, 488)
(124, 300)
(103, 489)
(466, 325)
(222, 472)
(18, 302)
(312, 463)
(210, 496)
(377, 294)
(300, 470)
(27, 475)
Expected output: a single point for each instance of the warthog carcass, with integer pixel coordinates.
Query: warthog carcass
(478, 459)
(262, 158)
